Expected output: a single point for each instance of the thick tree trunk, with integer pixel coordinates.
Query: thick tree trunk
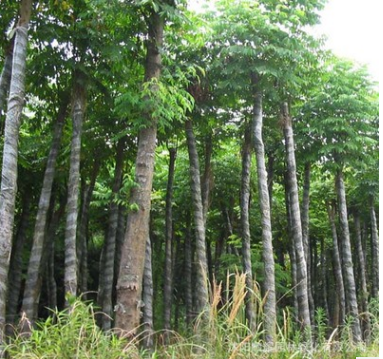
(245, 228)
(270, 315)
(349, 280)
(296, 229)
(375, 251)
(129, 285)
(168, 275)
(107, 276)
(10, 153)
(339, 284)
(78, 108)
(305, 235)
(201, 290)
(35, 266)
(363, 279)
(147, 298)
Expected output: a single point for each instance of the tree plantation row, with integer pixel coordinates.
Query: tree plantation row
(152, 155)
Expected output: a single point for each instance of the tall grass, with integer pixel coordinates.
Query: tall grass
(219, 333)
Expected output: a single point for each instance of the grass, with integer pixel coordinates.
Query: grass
(218, 334)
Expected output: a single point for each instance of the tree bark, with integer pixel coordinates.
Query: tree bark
(270, 315)
(207, 177)
(201, 290)
(188, 273)
(129, 285)
(168, 275)
(78, 110)
(375, 251)
(349, 280)
(10, 153)
(5, 78)
(296, 229)
(35, 266)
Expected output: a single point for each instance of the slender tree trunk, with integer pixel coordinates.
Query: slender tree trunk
(339, 284)
(270, 177)
(301, 288)
(349, 279)
(10, 153)
(35, 267)
(245, 228)
(305, 235)
(375, 251)
(323, 272)
(129, 285)
(207, 178)
(201, 290)
(107, 277)
(232, 248)
(5, 78)
(188, 273)
(168, 275)
(147, 298)
(270, 314)
(363, 280)
(70, 274)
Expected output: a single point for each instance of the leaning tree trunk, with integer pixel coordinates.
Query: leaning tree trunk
(375, 251)
(349, 280)
(339, 284)
(70, 273)
(363, 280)
(201, 288)
(270, 314)
(129, 285)
(107, 276)
(296, 228)
(305, 235)
(245, 228)
(35, 266)
(10, 153)
(168, 275)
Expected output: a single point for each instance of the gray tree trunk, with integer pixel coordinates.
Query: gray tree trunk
(201, 289)
(168, 274)
(188, 273)
(78, 110)
(270, 315)
(35, 266)
(375, 251)
(10, 153)
(5, 78)
(296, 229)
(349, 280)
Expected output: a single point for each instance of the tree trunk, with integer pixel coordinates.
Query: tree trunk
(78, 108)
(363, 280)
(349, 279)
(129, 285)
(35, 266)
(296, 229)
(339, 284)
(201, 290)
(147, 298)
(323, 270)
(270, 315)
(207, 178)
(5, 78)
(245, 228)
(10, 153)
(375, 251)
(107, 276)
(305, 236)
(168, 275)
(188, 273)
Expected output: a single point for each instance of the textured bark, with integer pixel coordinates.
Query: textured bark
(10, 152)
(363, 279)
(168, 275)
(207, 178)
(305, 236)
(107, 273)
(296, 229)
(78, 110)
(188, 274)
(5, 78)
(269, 309)
(201, 289)
(375, 251)
(245, 228)
(147, 298)
(339, 284)
(36, 266)
(349, 280)
(129, 285)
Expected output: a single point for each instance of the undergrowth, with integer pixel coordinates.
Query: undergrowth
(219, 333)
